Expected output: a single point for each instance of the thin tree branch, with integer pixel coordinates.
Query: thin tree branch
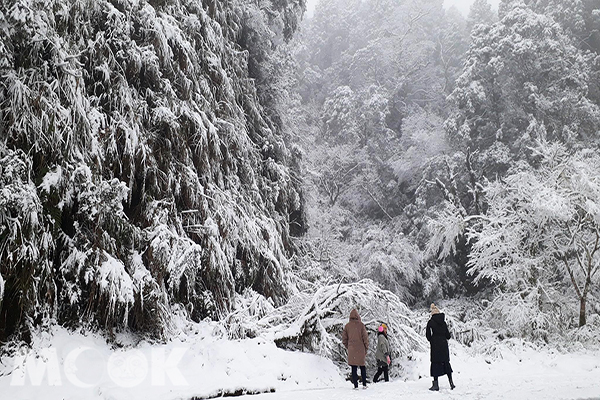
(572, 278)
(378, 203)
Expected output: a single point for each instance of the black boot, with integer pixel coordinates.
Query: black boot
(451, 382)
(435, 385)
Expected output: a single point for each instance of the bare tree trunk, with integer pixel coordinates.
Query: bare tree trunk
(582, 319)
(475, 186)
(583, 299)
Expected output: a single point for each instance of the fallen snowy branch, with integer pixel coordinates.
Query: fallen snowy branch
(313, 320)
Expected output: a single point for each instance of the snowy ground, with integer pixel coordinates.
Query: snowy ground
(536, 376)
(72, 366)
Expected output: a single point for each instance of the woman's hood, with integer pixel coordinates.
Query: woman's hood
(354, 315)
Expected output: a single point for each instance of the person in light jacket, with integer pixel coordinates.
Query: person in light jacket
(437, 334)
(356, 341)
(382, 354)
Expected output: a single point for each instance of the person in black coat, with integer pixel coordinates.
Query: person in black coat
(437, 334)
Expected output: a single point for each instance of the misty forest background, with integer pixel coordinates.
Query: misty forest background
(237, 161)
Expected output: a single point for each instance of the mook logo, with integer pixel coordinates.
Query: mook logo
(86, 367)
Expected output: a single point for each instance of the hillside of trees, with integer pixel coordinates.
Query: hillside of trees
(143, 167)
(454, 157)
(240, 161)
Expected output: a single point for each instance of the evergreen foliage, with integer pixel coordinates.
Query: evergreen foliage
(401, 173)
(139, 168)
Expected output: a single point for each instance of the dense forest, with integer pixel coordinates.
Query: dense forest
(142, 159)
(239, 161)
(455, 157)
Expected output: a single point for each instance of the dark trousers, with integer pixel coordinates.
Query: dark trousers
(380, 369)
(363, 375)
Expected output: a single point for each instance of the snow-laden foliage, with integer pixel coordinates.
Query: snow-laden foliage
(578, 18)
(398, 174)
(347, 249)
(480, 13)
(445, 231)
(313, 320)
(525, 77)
(389, 258)
(519, 71)
(138, 167)
(26, 242)
(539, 241)
(374, 77)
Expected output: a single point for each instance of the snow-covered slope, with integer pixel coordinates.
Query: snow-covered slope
(199, 363)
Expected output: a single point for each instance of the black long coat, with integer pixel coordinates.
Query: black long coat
(438, 334)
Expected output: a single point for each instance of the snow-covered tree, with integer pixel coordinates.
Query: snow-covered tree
(144, 165)
(452, 45)
(578, 18)
(521, 71)
(480, 13)
(542, 229)
(379, 95)
(313, 320)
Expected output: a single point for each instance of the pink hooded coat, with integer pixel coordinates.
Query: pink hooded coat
(355, 339)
